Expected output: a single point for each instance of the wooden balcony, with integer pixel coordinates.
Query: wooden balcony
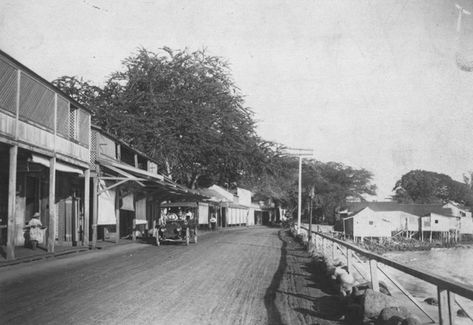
(39, 117)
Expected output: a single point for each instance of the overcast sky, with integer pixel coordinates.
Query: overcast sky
(372, 84)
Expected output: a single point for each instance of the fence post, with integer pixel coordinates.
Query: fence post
(374, 275)
(446, 301)
(323, 245)
(334, 250)
(349, 261)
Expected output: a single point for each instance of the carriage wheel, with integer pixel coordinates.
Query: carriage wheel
(187, 236)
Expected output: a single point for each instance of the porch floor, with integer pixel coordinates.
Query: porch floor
(25, 254)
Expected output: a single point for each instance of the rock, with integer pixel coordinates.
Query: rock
(337, 262)
(329, 269)
(345, 281)
(389, 312)
(375, 302)
(337, 272)
(411, 320)
(361, 288)
(461, 313)
(432, 301)
(395, 320)
(354, 314)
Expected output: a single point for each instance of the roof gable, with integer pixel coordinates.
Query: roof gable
(414, 209)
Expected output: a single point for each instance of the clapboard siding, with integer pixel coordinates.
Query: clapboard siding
(7, 124)
(36, 136)
(72, 149)
(39, 137)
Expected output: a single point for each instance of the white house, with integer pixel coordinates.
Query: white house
(440, 226)
(234, 210)
(385, 219)
(371, 223)
(466, 220)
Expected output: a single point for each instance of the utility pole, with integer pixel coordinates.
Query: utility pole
(461, 11)
(462, 61)
(297, 152)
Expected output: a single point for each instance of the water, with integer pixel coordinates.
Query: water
(452, 263)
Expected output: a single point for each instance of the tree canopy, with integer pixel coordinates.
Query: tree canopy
(332, 184)
(183, 109)
(420, 186)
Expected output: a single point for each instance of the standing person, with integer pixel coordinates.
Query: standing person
(34, 233)
(189, 215)
(213, 222)
(35, 222)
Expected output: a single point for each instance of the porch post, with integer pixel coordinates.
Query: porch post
(85, 225)
(95, 204)
(52, 210)
(12, 203)
(133, 234)
(117, 214)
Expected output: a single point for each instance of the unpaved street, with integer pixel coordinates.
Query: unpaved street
(235, 277)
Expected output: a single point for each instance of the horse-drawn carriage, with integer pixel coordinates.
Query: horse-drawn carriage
(180, 231)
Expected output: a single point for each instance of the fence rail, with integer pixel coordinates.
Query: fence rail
(446, 288)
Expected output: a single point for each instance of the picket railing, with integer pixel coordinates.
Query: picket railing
(447, 289)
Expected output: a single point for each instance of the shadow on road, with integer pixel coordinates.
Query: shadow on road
(325, 304)
(274, 316)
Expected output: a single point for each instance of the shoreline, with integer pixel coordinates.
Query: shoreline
(408, 245)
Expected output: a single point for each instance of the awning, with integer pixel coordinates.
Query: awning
(128, 202)
(106, 206)
(59, 165)
(154, 183)
(179, 204)
(134, 170)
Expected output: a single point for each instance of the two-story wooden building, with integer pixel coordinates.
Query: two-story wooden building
(44, 159)
(80, 179)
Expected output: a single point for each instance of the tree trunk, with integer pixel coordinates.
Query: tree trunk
(168, 168)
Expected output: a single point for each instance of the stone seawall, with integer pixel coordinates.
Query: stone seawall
(359, 303)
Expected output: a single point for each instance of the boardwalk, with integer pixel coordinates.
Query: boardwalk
(249, 276)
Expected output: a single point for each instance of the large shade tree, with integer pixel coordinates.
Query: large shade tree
(332, 183)
(421, 186)
(183, 109)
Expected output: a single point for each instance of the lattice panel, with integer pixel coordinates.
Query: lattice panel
(84, 127)
(62, 117)
(8, 80)
(93, 148)
(73, 123)
(36, 102)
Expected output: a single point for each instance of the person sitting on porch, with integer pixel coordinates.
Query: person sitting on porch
(35, 222)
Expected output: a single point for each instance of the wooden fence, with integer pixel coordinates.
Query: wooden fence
(446, 288)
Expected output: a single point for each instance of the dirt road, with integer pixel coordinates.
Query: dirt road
(250, 276)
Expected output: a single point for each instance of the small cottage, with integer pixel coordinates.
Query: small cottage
(443, 226)
(385, 219)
